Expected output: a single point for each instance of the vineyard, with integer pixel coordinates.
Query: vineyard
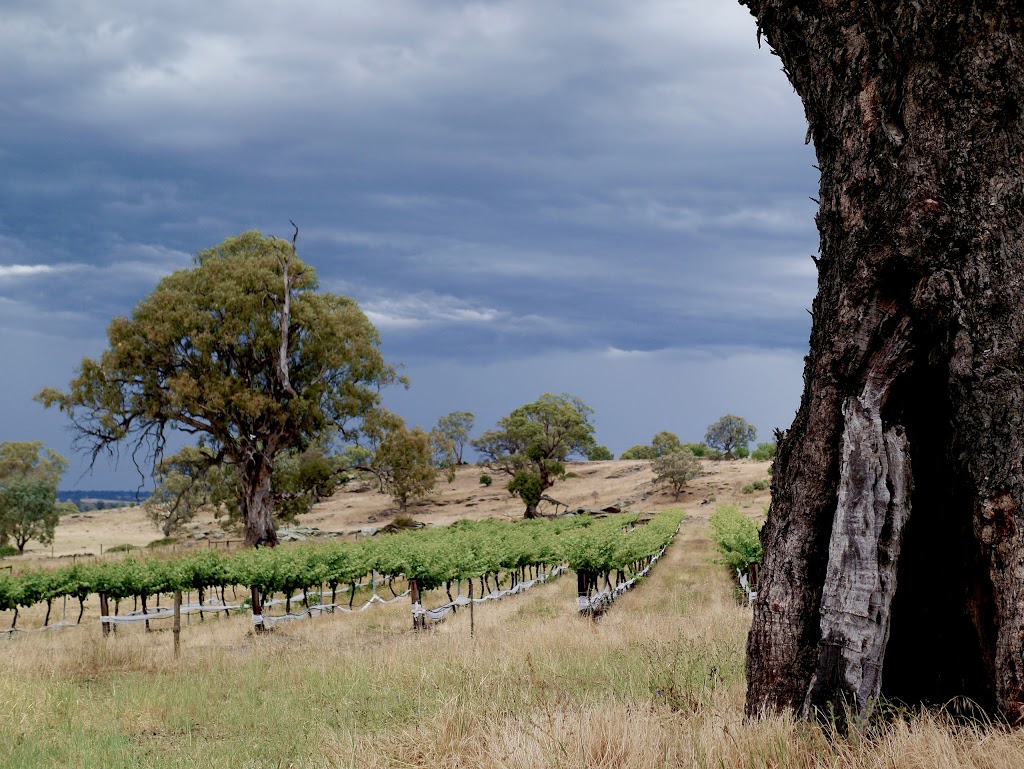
(608, 555)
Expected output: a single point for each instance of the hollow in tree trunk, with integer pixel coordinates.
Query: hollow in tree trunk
(894, 547)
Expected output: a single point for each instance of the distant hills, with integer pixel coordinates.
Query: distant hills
(98, 499)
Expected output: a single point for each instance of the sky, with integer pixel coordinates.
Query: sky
(609, 199)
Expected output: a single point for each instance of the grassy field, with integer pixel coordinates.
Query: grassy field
(657, 682)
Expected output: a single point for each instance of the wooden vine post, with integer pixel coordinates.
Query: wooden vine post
(418, 620)
(257, 612)
(105, 612)
(176, 628)
(471, 624)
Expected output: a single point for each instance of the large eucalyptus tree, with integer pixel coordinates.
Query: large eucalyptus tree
(894, 548)
(240, 348)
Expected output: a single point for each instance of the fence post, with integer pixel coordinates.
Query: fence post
(471, 625)
(176, 629)
(104, 611)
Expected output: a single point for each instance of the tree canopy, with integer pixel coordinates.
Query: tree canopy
(28, 492)
(532, 443)
(401, 459)
(241, 348)
(450, 437)
(730, 433)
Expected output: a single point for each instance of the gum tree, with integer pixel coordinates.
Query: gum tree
(28, 492)
(532, 443)
(241, 349)
(893, 551)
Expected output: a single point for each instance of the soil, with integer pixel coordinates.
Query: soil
(360, 508)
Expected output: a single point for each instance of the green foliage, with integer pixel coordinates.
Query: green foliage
(638, 451)
(403, 461)
(485, 479)
(735, 537)
(450, 437)
(241, 348)
(122, 548)
(303, 478)
(66, 508)
(702, 450)
(730, 433)
(162, 542)
(528, 486)
(663, 443)
(600, 454)
(432, 556)
(533, 441)
(180, 490)
(675, 469)
(8, 550)
(750, 488)
(764, 452)
(613, 543)
(28, 492)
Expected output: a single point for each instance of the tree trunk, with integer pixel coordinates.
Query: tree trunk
(894, 548)
(531, 510)
(257, 505)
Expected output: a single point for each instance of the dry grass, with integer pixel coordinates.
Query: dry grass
(657, 682)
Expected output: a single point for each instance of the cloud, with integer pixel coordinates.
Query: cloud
(23, 270)
(427, 309)
(495, 182)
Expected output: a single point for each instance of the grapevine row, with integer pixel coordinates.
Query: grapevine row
(433, 557)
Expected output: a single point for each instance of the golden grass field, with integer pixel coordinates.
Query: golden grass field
(657, 682)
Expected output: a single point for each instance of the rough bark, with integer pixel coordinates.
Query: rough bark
(894, 555)
(257, 503)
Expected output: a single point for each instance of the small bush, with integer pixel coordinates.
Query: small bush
(485, 479)
(123, 548)
(735, 537)
(6, 550)
(570, 475)
(638, 452)
(763, 452)
(404, 522)
(702, 450)
(163, 541)
(741, 452)
(750, 488)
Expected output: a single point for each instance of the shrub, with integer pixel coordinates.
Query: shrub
(763, 452)
(638, 452)
(750, 488)
(162, 542)
(600, 454)
(735, 537)
(485, 479)
(123, 548)
(702, 450)
(741, 452)
(6, 550)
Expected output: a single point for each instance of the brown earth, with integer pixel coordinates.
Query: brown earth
(358, 506)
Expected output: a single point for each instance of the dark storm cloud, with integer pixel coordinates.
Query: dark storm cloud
(493, 181)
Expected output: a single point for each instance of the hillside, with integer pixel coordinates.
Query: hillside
(359, 506)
